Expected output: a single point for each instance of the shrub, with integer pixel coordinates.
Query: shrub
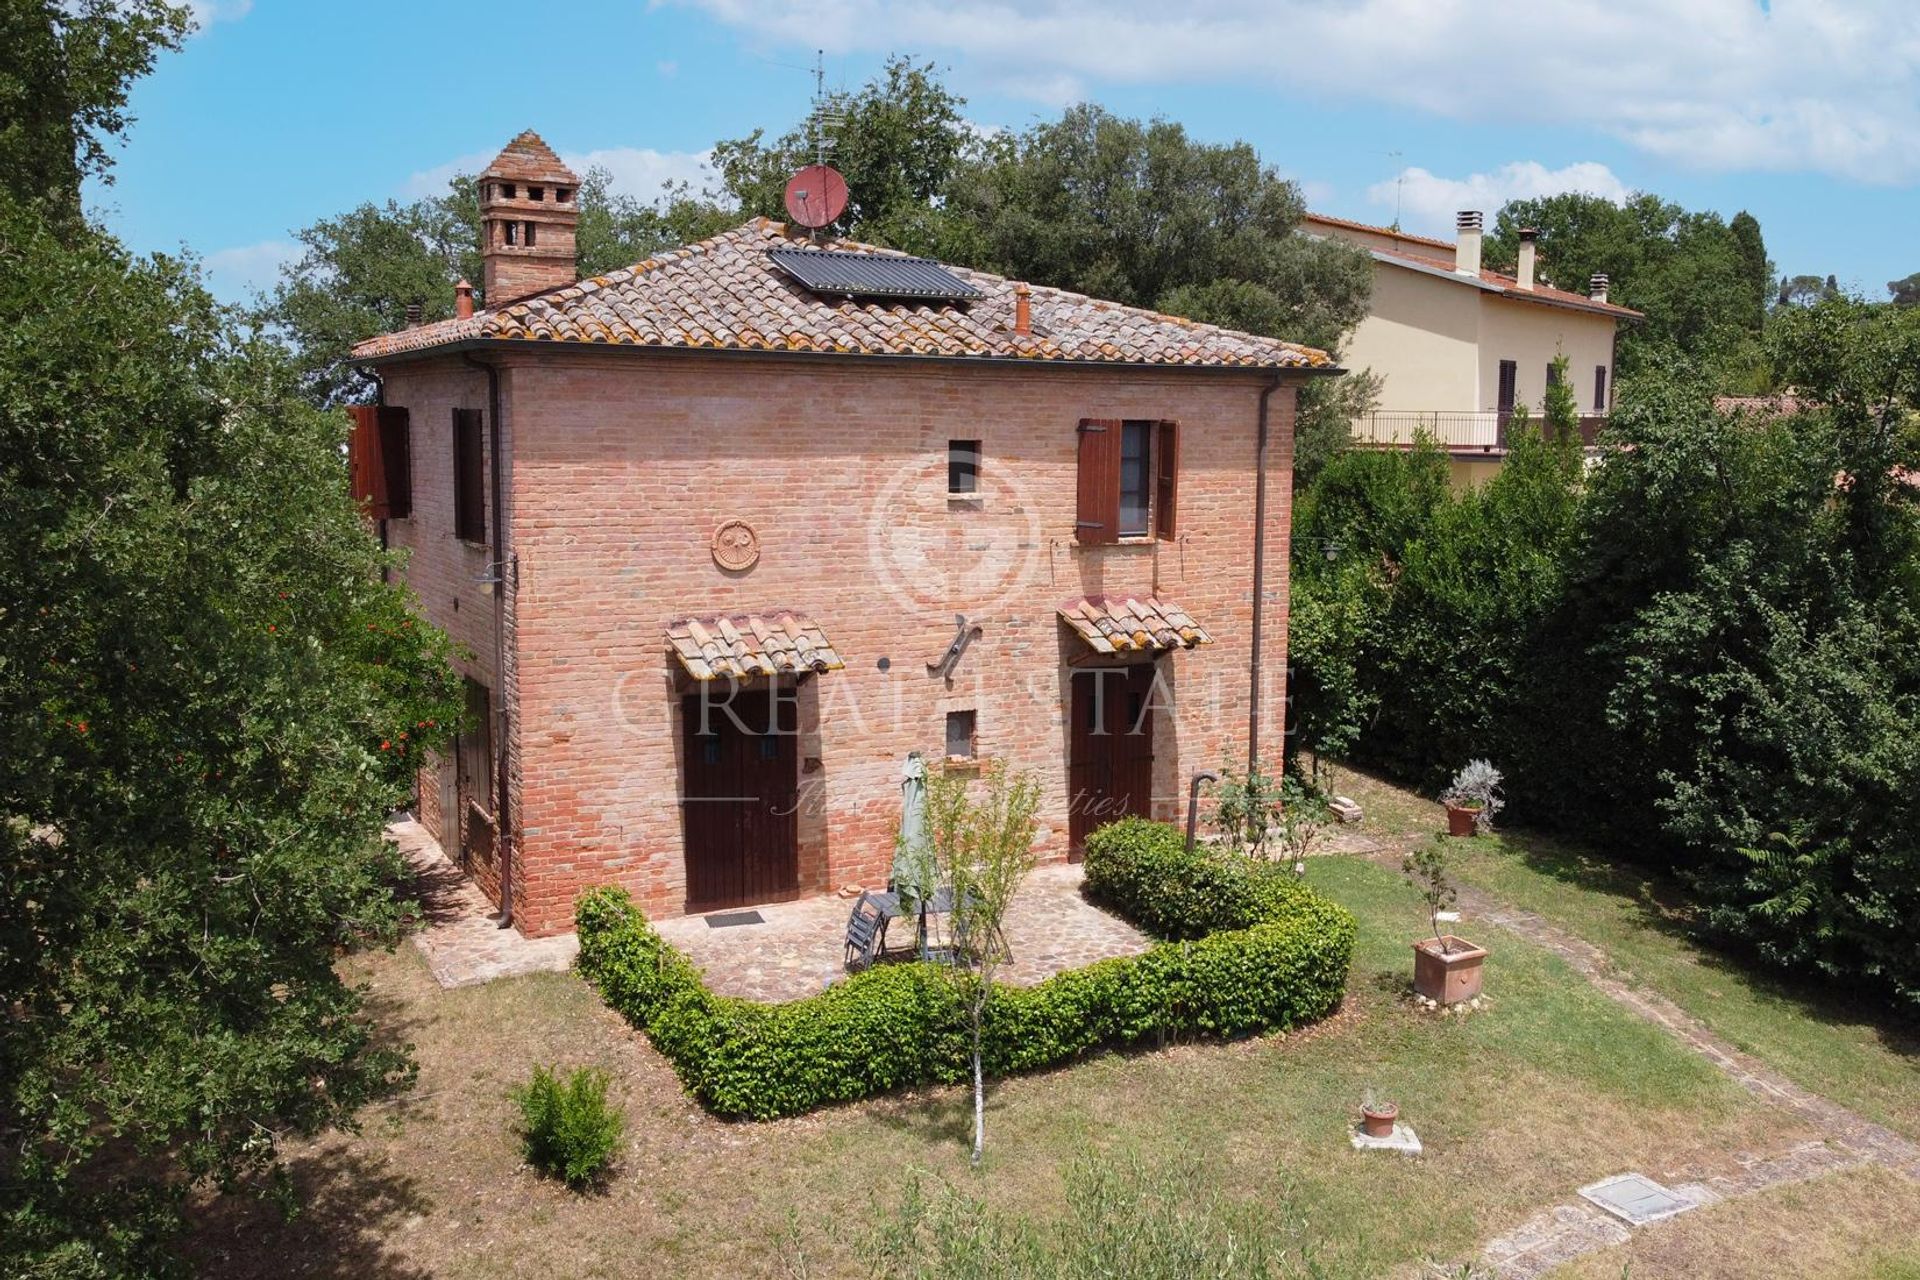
(1142, 870)
(568, 1128)
(1279, 959)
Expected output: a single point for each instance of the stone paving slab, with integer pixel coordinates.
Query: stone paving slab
(463, 942)
(800, 949)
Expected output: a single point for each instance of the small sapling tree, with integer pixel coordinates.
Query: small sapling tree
(1426, 870)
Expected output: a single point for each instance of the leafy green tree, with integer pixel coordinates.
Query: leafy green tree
(1756, 269)
(1905, 291)
(901, 142)
(1804, 291)
(210, 701)
(65, 66)
(1689, 272)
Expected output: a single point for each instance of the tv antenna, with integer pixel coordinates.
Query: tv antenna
(817, 194)
(1399, 181)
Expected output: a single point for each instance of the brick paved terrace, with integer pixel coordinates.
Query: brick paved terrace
(799, 949)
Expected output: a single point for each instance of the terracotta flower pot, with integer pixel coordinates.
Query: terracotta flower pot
(1462, 820)
(1377, 1121)
(1447, 974)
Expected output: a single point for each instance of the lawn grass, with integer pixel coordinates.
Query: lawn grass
(1551, 1087)
(1856, 1225)
(1862, 1055)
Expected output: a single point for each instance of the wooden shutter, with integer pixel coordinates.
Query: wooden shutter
(366, 473)
(1097, 512)
(469, 477)
(1166, 464)
(396, 456)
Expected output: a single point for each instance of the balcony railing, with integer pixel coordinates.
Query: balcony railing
(1482, 431)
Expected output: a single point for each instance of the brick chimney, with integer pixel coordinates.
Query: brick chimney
(463, 300)
(1022, 308)
(1597, 288)
(528, 212)
(1466, 252)
(1524, 273)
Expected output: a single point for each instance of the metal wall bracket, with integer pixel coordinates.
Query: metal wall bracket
(964, 634)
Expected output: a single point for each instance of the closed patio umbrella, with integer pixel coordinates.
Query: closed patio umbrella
(913, 870)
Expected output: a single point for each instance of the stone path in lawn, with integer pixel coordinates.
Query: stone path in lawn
(463, 941)
(1564, 1232)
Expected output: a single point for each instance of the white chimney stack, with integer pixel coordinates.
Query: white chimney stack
(1597, 288)
(1524, 273)
(1466, 254)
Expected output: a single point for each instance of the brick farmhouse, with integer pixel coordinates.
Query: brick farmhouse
(725, 535)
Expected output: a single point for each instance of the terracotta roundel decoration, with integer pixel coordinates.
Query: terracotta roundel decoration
(735, 545)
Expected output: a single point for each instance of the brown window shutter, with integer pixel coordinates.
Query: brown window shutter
(1097, 512)
(366, 472)
(397, 456)
(1166, 461)
(469, 477)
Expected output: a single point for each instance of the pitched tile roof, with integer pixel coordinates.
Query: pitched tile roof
(725, 293)
(1441, 263)
(781, 642)
(1129, 624)
(528, 159)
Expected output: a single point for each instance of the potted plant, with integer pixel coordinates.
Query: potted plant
(1446, 969)
(1377, 1118)
(1472, 799)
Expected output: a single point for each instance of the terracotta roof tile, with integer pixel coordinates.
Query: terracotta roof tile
(740, 646)
(1130, 624)
(726, 293)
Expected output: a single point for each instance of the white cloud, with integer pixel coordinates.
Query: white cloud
(235, 274)
(1830, 86)
(1428, 202)
(207, 12)
(640, 172)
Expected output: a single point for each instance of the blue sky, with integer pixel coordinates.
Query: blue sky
(1806, 112)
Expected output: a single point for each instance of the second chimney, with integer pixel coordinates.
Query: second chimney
(463, 300)
(1524, 273)
(1466, 253)
(528, 216)
(1022, 309)
(1597, 288)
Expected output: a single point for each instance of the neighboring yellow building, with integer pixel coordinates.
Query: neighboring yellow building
(1459, 348)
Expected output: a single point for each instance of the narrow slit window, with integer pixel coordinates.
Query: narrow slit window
(529, 235)
(963, 467)
(510, 233)
(960, 734)
(1600, 388)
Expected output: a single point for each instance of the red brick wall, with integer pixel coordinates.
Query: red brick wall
(622, 466)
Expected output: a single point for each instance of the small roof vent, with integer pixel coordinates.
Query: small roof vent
(873, 275)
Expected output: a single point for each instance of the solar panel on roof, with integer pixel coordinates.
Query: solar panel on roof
(872, 275)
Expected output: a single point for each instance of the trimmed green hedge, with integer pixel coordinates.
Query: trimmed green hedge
(1142, 870)
(899, 1025)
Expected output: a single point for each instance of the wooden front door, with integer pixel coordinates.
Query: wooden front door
(741, 800)
(1110, 773)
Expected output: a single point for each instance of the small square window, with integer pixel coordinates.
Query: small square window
(536, 193)
(963, 466)
(960, 729)
(506, 189)
(562, 194)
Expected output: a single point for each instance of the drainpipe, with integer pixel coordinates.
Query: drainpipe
(1259, 573)
(503, 808)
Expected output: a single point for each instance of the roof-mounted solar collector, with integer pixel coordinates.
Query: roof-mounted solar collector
(873, 275)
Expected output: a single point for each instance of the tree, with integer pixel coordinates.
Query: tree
(1756, 270)
(1804, 291)
(1905, 291)
(210, 701)
(1689, 272)
(983, 850)
(901, 141)
(64, 73)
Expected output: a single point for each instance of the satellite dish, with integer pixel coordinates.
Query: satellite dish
(816, 196)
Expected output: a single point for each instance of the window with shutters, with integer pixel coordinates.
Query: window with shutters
(469, 477)
(1128, 479)
(379, 462)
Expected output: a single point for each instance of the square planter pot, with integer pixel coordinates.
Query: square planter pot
(1447, 976)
